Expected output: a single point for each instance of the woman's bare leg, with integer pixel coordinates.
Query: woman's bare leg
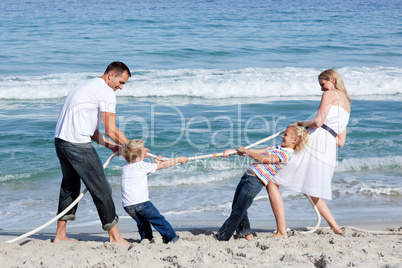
(326, 213)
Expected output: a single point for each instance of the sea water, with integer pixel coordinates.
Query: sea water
(207, 76)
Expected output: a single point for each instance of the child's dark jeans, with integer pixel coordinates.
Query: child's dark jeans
(146, 214)
(248, 187)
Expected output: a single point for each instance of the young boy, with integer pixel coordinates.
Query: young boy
(134, 191)
(268, 162)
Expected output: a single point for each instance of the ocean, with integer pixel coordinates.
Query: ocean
(207, 76)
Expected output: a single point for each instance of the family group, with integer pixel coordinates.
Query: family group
(303, 162)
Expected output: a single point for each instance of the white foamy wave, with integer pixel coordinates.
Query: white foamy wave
(201, 209)
(367, 186)
(40, 87)
(188, 178)
(261, 197)
(379, 190)
(370, 163)
(186, 175)
(212, 83)
(21, 176)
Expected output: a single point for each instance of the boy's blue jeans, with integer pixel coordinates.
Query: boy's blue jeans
(81, 161)
(146, 214)
(248, 187)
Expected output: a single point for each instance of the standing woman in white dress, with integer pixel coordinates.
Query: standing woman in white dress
(310, 171)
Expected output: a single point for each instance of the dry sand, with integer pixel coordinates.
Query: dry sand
(199, 248)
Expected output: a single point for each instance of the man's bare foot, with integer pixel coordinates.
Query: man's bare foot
(337, 231)
(122, 242)
(279, 235)
(249, 237)
(61, 234)
(64, 238)
(115, 237)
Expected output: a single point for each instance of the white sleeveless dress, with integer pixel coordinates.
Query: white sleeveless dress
(310, 171)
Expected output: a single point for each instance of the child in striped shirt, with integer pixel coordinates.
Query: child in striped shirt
(268, 162)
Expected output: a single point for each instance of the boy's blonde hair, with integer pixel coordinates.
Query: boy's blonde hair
(301, 133)
(132, 149)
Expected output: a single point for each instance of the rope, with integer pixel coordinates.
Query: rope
(318, 217)
(375, 232)
(351, 227)
(61, 213)
(229, 153)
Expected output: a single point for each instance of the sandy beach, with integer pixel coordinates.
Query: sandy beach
(199, 248)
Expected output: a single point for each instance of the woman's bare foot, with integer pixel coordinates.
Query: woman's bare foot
(249, 237)
(337, 231)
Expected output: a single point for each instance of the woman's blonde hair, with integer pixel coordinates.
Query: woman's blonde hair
(330, 73)
(301, 133)
(132, 149)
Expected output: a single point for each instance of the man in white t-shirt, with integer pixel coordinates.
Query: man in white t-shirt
(85, 107)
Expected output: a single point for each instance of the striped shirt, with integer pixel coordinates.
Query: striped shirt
(265, 172)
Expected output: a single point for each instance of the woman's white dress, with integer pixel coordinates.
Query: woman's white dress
(310, 171)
